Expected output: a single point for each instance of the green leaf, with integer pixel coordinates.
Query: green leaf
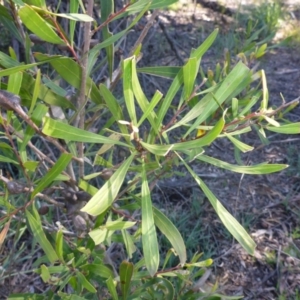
(70, 71)
(142, 99)
(126, 271)
(240, 145)
(36, 91)
(94, 52)
(118, 224)
(107, 9)
(105, 196)
(59, 166)
(150, 108)
(98, 235)
(45, 274)
(98, 270)
(36, 117)
(265, 100)
(35, 23)
(67, 132)
(201, 264)
(7, 21)
(190, 71)
(232, 85)
(169, 97)
(8, 160)
(149, 237)
(128, 242)
(271, 121)
(172, 234)
(260, 169)
(156, 4)
(165, 72)
(14, 83)
(85, 283)
(7, 62)
(293, 128)
(199, 52)
(59, 245)
(113, 107)
(31, 165)
(38, 233)
(18, 68)
(74, 5)
(233, 226)
(75, 17)
(250, 104)
(163, 150)
(112, 288)
(128, 90)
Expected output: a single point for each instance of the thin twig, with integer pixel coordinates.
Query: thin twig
(170, 40)
(136, 44)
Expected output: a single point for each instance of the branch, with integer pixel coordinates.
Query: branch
(82, 97)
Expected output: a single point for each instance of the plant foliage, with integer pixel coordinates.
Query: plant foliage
(96, 154)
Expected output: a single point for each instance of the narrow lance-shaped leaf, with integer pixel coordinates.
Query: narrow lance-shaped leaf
(18, 68)
(128, 90)
(171, 233)
(14, 83)
(59, 166)
(113, 107)
(70, 71)
(105, 196)
(232, 85)
(74, 5)
(93, 53)
(36, 117)
(126, 271)
(190, 71)
(293, 128)
(163, 150)
(264, 168)
(149, 237)
(141, 97)
(240, 145)
(67, 132)
(233, 226)
(112, 288)
(38, 233)
(35, 23)
(165, 72)
(36, 91)
(107, 9)
(129, 243)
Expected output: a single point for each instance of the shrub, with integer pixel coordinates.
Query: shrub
(96, 155)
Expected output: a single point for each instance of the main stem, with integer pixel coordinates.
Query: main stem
(82, 95)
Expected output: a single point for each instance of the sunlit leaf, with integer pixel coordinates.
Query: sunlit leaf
(35, 23)
(126, 271)
(105, 196)
(293, 128)
(149, 237)
(233, 226)
(263, 168)
(38, 233)
(67, 132)
(50, 176)
(171, 233)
